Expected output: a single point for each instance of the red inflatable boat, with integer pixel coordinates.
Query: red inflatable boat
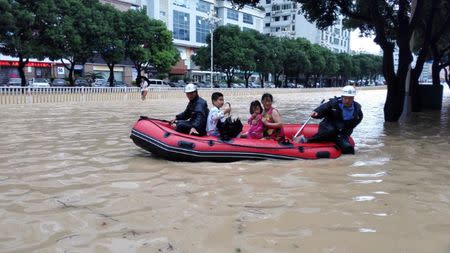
(158, 137)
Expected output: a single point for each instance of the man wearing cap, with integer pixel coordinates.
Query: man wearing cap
(340, 116)
(193, 119)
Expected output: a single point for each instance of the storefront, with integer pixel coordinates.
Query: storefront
(8, 69)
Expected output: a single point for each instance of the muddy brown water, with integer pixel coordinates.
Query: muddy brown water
(71, 180)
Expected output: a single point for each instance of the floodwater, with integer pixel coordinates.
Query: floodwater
(71, 180)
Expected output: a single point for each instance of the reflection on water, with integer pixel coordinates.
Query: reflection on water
(71, 180)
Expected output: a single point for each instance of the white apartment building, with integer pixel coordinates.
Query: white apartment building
(283, 19)
(187, 19)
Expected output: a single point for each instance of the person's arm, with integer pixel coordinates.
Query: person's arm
(321, 111)
(277, 118)
(183, 115)
(216, 115)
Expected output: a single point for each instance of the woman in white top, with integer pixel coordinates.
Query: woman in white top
(144, 89)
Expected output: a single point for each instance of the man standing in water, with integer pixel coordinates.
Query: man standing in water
(193, 119)
(340, 116)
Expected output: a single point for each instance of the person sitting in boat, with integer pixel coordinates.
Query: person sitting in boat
(255, 121)
(193, 119)
(216, 114)
(273, 127)
(340, 116)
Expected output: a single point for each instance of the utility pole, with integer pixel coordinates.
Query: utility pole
(212, 20)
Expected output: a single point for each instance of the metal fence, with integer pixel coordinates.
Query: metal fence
(28, 95)
(31, 95)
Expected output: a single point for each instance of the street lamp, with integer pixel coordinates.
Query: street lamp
(212, 20)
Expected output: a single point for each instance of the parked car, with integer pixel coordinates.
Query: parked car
(14, 81)
(119, 84)
(100, 82)
(81, 83)
(155, 83)
(58, 82)
(39, 82)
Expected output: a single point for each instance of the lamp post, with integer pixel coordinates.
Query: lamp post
(212, 21)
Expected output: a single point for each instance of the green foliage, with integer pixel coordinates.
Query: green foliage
(292, 57)
(148, 43)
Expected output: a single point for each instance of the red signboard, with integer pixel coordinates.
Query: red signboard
(29, 64)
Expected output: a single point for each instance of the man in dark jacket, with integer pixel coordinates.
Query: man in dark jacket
(193, 119)
(340, 116)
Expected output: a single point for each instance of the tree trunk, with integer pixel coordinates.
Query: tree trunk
(435, 70)
(21, 70)
(138, 67)
(393, 106)
(261, 78)
(246, 77)
(111, 74)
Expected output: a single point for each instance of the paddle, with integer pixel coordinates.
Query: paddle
(306, 122)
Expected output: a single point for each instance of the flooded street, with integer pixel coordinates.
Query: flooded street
(71, 180)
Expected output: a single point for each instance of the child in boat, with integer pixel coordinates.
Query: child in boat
(216, 114)
(255, 121)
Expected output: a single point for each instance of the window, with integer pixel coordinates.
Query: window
(285, 18)
(268, 14)
(202, 30)
(232, 14)
(293, 16)
(268, 1)
(336, 41)
(276, 19)
(180, 25)
(203, 6)
(248, 19)
(275, 7)
(267, 24)
(286, 6)
(182, 3)
(293, 28)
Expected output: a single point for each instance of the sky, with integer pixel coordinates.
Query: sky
(363, 44)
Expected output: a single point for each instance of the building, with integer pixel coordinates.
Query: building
(123, 5)
(284, 19)
(188, 21)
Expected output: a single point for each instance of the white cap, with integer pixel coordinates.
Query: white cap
(348, 91)
(190, 87)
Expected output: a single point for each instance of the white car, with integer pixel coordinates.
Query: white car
(39, 82)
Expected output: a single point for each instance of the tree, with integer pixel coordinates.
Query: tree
(148, 43)
(392, 23)
(345, 67)
(247, 62)
(73, 38)
(24, 23)
(263, 57)
(110, 43)
(432, 39)
(227, 52)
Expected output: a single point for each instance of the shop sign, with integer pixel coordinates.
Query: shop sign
(60, 70)
(29, 64)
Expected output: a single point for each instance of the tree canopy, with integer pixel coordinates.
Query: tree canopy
(239, 52)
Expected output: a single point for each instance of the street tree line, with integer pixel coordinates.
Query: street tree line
(419, 26)
(246, 52)
(75, 31)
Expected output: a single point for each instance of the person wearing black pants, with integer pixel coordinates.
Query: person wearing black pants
(340, 116)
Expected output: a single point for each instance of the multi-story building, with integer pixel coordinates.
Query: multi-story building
(123, 5)
(188, 21)
(284, 19)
